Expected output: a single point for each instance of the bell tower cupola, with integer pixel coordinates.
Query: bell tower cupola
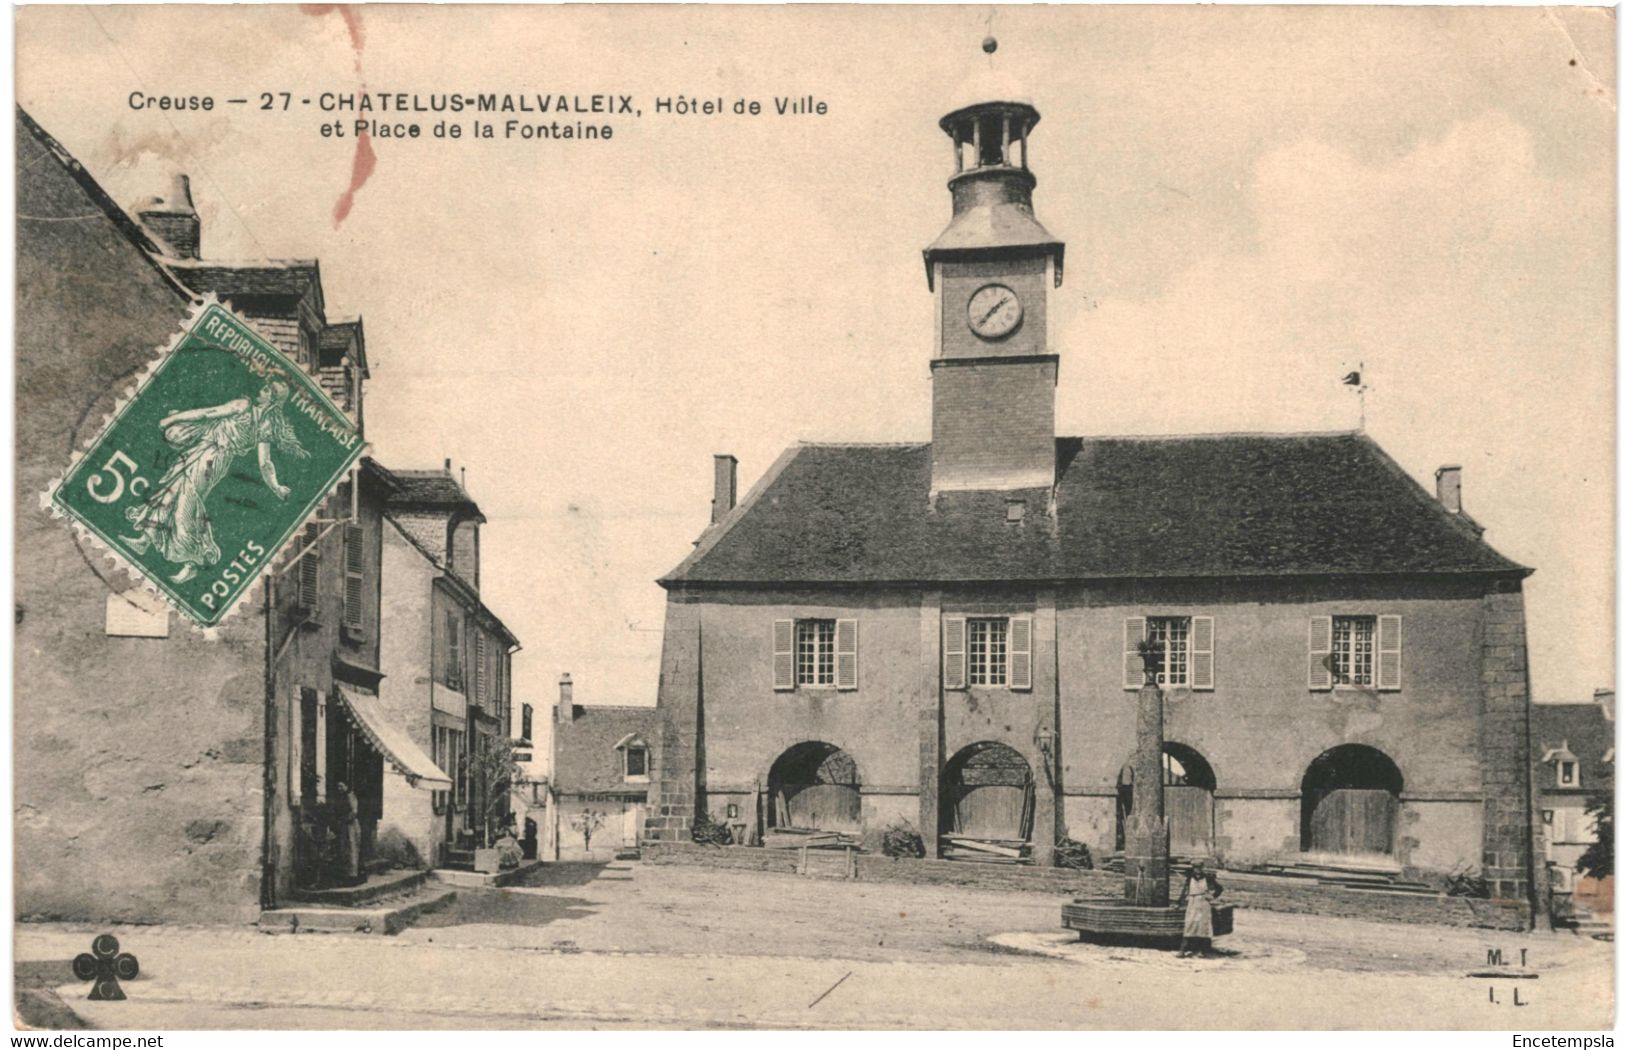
(993, 374)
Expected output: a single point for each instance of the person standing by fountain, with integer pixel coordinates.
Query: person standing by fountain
(1201, 890)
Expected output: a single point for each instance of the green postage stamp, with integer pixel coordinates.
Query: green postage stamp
(204, 473)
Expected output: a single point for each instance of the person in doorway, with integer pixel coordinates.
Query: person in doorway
(1201, 891)
(347, 823)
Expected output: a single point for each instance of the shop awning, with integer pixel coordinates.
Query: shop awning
(392, 742)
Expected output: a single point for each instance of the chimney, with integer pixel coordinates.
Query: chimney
(1604, 698)
(448, 464)
(726, 486)
(172, 219)
(1447, 485)
(567, 702)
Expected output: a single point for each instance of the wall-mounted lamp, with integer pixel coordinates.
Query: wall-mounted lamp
(1044, 740)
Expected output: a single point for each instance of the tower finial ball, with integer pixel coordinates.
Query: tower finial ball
(990, 45)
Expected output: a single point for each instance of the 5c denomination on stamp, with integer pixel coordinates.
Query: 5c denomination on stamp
(204, 473)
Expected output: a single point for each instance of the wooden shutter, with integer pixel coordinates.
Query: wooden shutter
(953, 652)
(310, 570)
(1133, 663)
(1320, 652)
(1201, 652)
(1021, 652)
(784, 655)
(1388, 655)
(846, 654)
(354, 559)
(296, 751)
(454, 651)
(479, 665)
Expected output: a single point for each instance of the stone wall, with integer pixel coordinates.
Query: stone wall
(1259, 728)
(1509, 816)
(139, 761)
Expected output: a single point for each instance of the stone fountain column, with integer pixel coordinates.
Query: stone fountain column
(1145, 840)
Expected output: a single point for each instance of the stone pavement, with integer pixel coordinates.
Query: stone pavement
(630, 946)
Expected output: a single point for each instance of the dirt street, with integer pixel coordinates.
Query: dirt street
(637, 945)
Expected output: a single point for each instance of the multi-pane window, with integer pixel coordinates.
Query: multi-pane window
(987, 651)
(637, 762)
(1354, 640)
(815, 652)
(1172, 635)
(447, 747)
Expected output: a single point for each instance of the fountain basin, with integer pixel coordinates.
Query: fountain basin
(1112, 919)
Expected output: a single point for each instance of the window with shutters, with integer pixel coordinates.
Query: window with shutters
(1355, 652)
(1354, 648)
(310, 570)
(987, 650)
(1172, 635)
(454, 650)
(354, 577)
(479, 666)
(815, 652)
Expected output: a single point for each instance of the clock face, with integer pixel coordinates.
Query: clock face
(994, 311)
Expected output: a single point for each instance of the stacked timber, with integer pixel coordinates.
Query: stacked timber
(986, 851)
(808, 838)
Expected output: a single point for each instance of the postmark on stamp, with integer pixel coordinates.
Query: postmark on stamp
(204, 473)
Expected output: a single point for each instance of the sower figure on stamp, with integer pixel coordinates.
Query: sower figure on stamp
(1201, 890)
(174, 518)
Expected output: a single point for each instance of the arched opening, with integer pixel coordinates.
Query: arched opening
(987, 793)
(814, 785)
(1188, 785)
(1351, 802)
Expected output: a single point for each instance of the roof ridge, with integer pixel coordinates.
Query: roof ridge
(863, 444)
(241, 264)
(1213, 435)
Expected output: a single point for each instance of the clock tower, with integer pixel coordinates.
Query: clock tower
(992, 373)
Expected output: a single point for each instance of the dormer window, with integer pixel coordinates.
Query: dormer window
(634, 751)
(1568, 773)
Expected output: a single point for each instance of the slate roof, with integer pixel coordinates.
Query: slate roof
(273, 278)
(1587, 731)
(132, 230)
(338, 337)
(1225, 505)
(430, 489)
(585, 759)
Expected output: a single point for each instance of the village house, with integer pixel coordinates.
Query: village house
(599, 789)
(1574, 756)
(446, 663)
(945, 633)
(196, 740)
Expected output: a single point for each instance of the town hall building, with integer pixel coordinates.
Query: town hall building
(945, 634)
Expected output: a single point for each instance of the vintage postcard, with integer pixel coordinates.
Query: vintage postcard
(847, 517)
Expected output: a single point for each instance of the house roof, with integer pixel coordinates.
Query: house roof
(343, 337)
(1583, 729)
(431, 489)
(272, 278)
(1222, 505)
(132, 230)
(586, 755)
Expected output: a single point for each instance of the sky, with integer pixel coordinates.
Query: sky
(1255, 201)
